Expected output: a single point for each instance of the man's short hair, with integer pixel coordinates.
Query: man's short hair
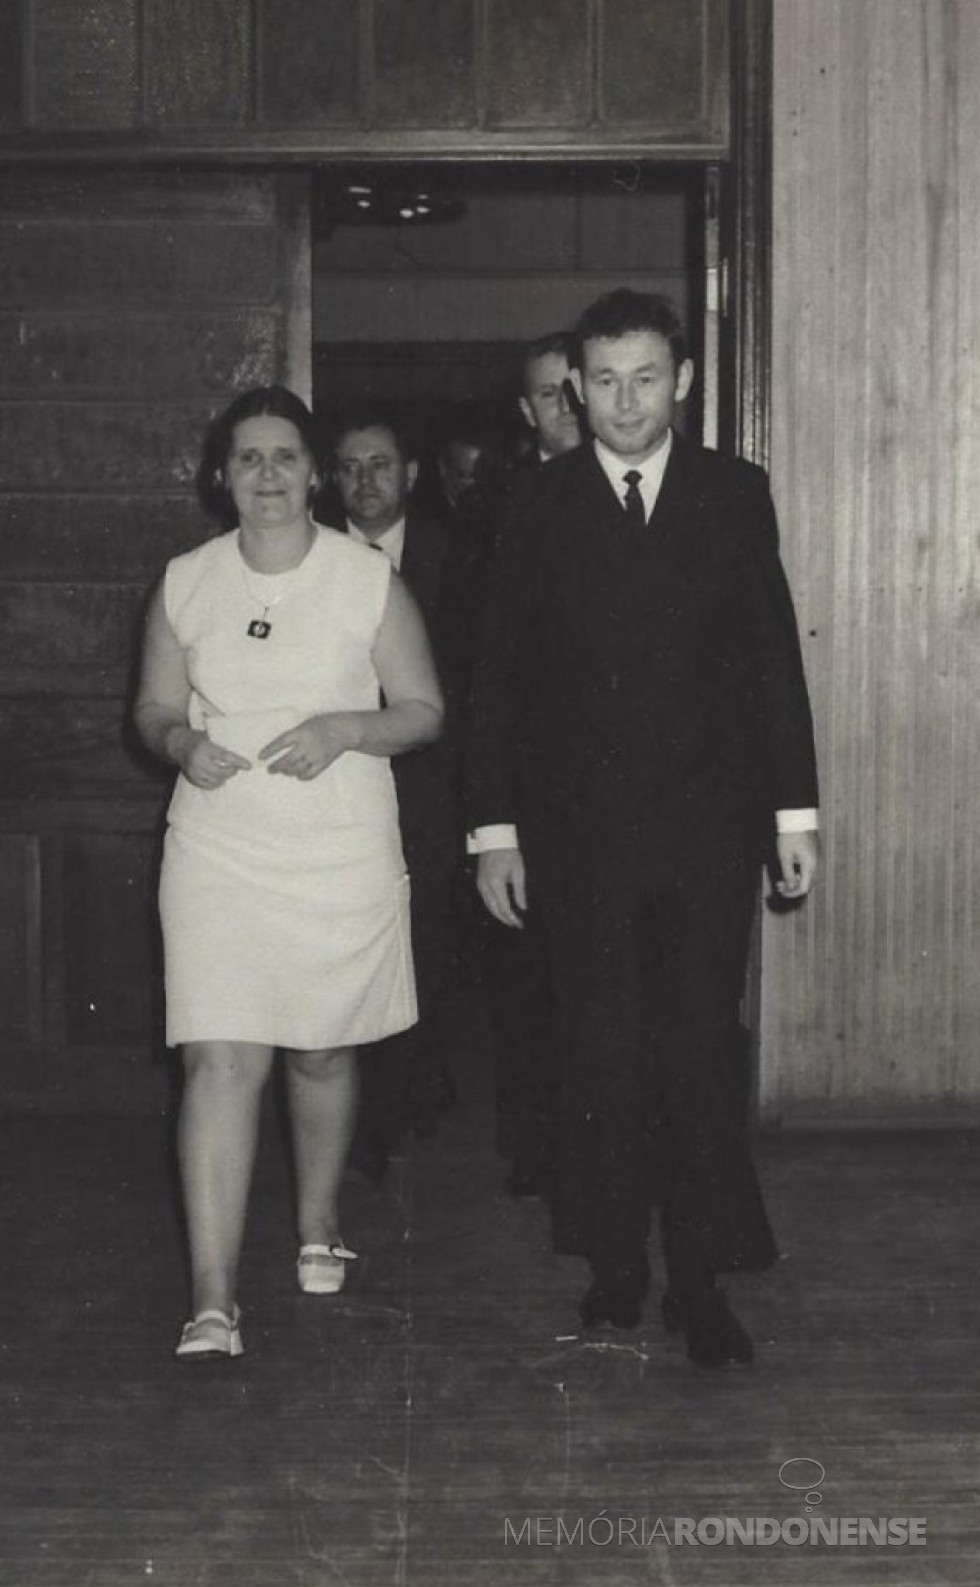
(369, 413)
(554, 342)
(623, 311)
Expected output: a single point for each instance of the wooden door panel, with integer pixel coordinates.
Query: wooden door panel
(111, 942)
(132, 308)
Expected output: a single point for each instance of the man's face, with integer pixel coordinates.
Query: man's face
(546, 407)
(630, 389)
(457, 466)
(373, 478)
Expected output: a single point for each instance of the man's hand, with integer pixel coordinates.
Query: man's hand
(500, 880)
(799, 857)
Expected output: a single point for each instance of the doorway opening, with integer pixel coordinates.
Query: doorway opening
(428, 281)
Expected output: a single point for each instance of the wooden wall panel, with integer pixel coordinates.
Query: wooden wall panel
(86, 63)
(198, 56)
(309, 62)
(112, 960)
(49, 537)
(59, 265)
(98, 445)
(53, 744)
(298, 80)
(651, 61)
(141, 194)
(424, 64)
(67, 356)
(539, 69)
(20, 959)
(871, 998)
(66, 625)
(12, 108)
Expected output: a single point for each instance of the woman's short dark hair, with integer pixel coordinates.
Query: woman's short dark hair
(274, 402)
(623, 311)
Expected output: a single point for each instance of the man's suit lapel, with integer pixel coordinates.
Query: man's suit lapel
(409, 569)
(673, 504)
(595, 502)
(423, 555)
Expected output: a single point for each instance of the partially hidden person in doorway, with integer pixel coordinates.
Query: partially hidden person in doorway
(406, 1080)
(640, 738)
(511, 965)
(284, 898)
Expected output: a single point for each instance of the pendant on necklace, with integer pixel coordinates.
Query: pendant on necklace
(258, 628)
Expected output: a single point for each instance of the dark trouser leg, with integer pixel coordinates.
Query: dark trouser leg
(403, 1077)
(649, 1043)
(520, 1002)
(696, 934)
(601, 1189)
(431, 1089)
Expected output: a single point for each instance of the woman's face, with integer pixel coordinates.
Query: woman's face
(269, 472)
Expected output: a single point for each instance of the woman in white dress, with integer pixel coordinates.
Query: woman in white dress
(284, 664)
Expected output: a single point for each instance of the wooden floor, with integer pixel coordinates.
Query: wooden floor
(443, 1422)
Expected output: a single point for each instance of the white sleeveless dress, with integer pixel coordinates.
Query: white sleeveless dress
(284, 904)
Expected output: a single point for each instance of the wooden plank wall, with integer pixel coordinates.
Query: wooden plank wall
(132, 306)
(872, 994)
(365, 77)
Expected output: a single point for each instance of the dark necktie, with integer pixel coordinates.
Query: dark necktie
(633, 506)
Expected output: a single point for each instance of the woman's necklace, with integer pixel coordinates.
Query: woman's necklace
(261, 627)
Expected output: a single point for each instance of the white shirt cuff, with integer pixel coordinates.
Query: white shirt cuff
(503, 836)
(797, 820)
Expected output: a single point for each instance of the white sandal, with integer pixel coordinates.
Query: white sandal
(211, 1336)
(320, 1268)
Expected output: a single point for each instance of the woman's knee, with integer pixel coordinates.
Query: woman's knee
(327, 1064)
(239, 1066)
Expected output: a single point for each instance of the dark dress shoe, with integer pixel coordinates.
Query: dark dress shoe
(618, 1301)
(714, 1335)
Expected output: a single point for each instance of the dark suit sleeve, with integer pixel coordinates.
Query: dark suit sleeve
(786, 723)
(493, 716)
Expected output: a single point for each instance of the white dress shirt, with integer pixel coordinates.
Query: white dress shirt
(651, 472)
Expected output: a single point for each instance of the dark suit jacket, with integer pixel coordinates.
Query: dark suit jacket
(638, 693)
(424, 778)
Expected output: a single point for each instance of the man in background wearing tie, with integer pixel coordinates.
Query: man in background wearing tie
(640, 740)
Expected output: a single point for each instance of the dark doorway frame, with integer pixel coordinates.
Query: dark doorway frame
(746, 226)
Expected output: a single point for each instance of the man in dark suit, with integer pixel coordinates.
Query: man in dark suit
(640, 737)
(404, 1081)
